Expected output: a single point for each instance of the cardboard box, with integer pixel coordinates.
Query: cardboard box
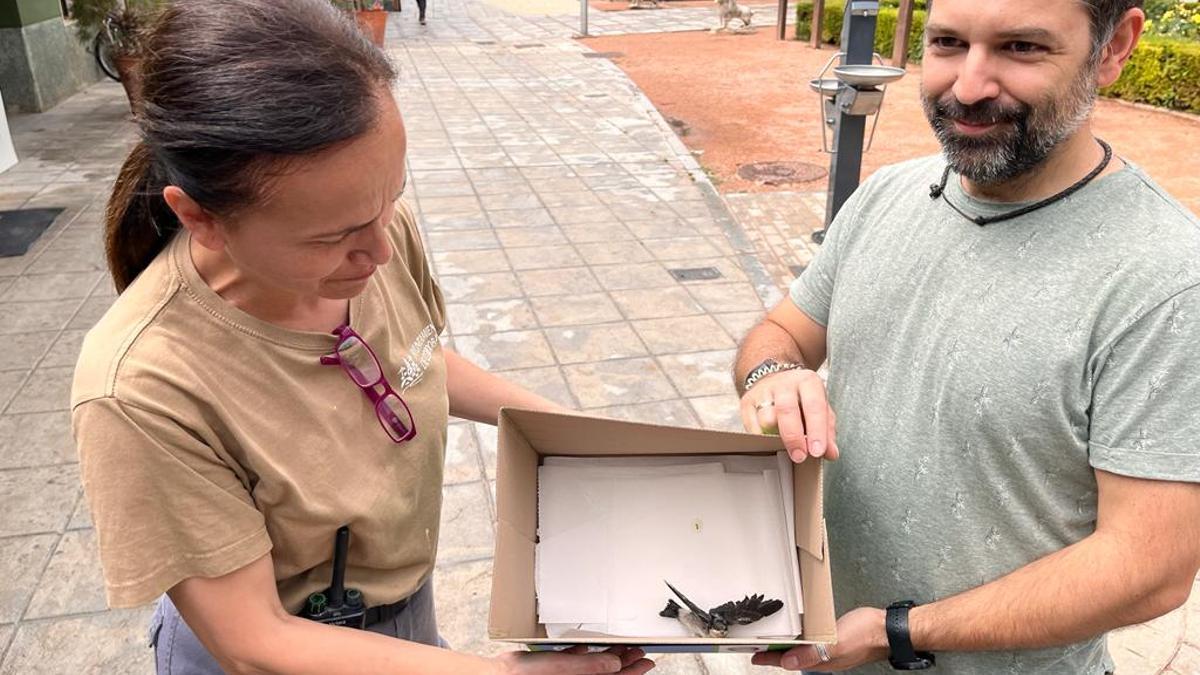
(525, 437)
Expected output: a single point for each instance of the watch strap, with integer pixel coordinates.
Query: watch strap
(901, 655)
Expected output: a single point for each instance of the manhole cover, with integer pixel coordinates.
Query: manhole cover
(781, 173)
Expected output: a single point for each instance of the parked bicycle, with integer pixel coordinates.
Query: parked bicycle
(116, 37)
(103, 47)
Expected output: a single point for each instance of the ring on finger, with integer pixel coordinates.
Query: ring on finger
(763, 404)
(822, 653)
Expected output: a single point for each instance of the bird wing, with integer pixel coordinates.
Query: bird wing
(704, 616)
(747, 610)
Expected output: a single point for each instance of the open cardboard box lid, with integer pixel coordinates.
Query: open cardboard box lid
(526, 436)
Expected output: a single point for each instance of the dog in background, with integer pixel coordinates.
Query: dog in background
(728, 10)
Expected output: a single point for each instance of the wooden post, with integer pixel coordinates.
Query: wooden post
(818, 20)
(781, 28)
(903, 28)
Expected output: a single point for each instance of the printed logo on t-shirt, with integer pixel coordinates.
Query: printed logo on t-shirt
(420, 354)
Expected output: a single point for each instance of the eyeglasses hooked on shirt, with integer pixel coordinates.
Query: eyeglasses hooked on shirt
(359, 361)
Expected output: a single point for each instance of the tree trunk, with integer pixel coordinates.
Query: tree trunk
(903, 28)
(818, 21)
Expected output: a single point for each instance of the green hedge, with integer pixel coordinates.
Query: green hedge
(831, 30)
(885, 33)
(885, 28)
(1161, 72)
(1154, 9)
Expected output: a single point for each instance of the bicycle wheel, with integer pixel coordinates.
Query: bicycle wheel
(102, 49)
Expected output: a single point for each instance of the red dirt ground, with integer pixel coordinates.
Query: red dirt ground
(745, 98)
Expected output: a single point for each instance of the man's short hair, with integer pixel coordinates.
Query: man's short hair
(1105, 14)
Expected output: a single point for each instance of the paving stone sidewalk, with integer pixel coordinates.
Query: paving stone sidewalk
(556, 204)
(487, 21)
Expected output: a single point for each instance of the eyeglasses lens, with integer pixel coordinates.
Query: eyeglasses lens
(359, 362)
(395, 417)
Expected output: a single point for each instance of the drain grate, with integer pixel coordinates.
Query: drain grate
(602, 55)
(695, 273)
(484, 42)
(528, 45)
(781, 173)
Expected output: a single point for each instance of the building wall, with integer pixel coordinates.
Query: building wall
(41, 61)
(17, 13)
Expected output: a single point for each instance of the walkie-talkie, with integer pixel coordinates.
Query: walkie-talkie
(337, 605)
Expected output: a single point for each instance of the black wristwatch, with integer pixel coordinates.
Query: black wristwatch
(902, 656)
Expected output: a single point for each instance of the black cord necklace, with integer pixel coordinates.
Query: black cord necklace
(939, 190)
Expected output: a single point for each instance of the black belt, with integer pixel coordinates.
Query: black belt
(381, 613)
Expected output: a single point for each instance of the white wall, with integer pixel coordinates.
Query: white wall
(8, 155)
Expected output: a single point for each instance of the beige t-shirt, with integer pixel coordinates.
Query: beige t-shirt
(208, 437)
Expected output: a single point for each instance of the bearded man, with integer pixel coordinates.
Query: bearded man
(1014, 359)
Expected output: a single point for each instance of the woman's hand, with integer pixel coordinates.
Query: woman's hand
(792, 404)
(574, 661)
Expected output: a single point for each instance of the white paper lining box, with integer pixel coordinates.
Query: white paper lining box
(720, 527)
(525, 437)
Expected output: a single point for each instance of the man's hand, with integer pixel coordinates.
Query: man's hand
(574, 661)
(862, 639)
(790, 403)
(793, 404)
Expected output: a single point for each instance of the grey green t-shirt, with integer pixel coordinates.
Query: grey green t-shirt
(981, 374)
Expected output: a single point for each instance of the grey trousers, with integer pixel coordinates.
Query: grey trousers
(177, 650)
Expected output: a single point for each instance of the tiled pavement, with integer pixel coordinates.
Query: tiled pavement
(481, 20)
(780, 226)
(555, 202)
(52, 607)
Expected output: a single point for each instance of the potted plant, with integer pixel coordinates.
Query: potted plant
(371, 17)
(116, 29)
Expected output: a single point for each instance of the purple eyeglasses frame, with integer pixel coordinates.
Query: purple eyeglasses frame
(382, 412)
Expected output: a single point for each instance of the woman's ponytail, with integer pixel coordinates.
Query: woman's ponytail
(137, 223)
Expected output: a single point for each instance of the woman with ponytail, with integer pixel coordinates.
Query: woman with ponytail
(271, 370)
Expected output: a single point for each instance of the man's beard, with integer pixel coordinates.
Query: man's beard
(1029, 133)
